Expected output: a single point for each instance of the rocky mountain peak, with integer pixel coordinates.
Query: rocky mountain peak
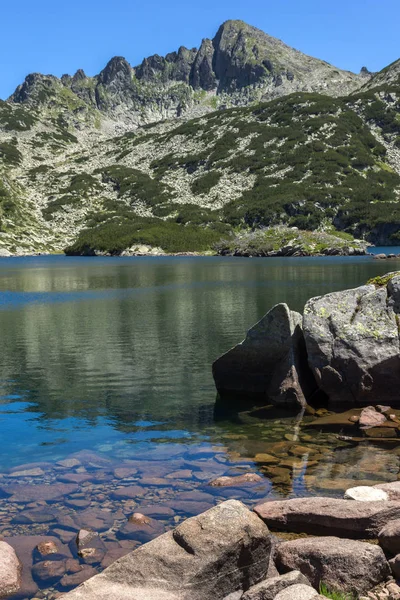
(117, 68)
(240, 65)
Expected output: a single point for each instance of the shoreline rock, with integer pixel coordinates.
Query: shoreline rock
(346, 347)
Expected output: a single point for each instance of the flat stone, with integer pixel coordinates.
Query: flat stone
(76, 477)
(266, 459)
(182, 474)
(49, 571)
(10, 570)
(140, 528)
(329, 516)
(157, 511)
(205, 558)
(237, 480)
(28, 517)
(365, 493)
(298, 592)
(124, 472)
(77, 503)
(29, 493)
(269, 588)
(69, 463)
(129, 492)
(96, 519)
(37, 472)
(342, 565)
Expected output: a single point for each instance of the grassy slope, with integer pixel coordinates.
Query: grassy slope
(305, 160)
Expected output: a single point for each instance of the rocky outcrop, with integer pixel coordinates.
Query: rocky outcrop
(241, 64)
(352, 340)
(351, 355)
(205, 558)
(329, 516)
(270, 364)
(342, 565)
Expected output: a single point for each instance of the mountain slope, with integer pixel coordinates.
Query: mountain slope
(76, 171)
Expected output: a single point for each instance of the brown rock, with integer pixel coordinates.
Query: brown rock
(49, 571)
(266, 459)
(129, 492)
(237, 480)
(96, 519)
(24, 546)
(69, 463)
(36, 472)
(47, 547)
(10, 570)
(30, 493)
(395, 566)
(389, 537)
(124, 472)
(140, 528)
(329, 516)
(342, 565)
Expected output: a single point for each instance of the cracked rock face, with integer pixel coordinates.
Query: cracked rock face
(352, 340)
(270, 363)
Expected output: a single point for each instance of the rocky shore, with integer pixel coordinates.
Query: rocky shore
(230, 553)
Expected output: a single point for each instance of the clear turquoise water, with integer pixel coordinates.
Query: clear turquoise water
(102, 351)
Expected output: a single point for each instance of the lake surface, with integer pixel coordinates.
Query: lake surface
(106, 362)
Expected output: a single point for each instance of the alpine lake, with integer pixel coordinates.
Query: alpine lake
(107, 399)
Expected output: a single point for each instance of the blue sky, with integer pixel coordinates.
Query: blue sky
(56, 37)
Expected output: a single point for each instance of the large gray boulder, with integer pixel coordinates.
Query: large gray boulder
(10, 571)
(270, 364)
(207, 557)
(352, 340)
(329, 516)
(342, 565)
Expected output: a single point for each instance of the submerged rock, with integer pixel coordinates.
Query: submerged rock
(205, 558)
(270, 364)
